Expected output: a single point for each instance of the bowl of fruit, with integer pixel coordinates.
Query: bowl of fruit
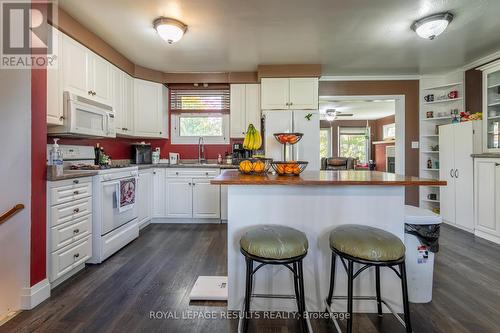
(289, 168)
(255, 166)
(290, 138)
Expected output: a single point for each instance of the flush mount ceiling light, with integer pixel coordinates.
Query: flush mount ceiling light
(432, 26)
(169, 29)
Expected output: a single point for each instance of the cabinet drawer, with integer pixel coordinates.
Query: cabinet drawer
(64, 260)
(70, 211)
(70, 192)
(67, 233)
(192, 172)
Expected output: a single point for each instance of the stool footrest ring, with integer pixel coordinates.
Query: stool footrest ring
(363, 298)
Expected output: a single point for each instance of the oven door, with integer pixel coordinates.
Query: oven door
(111, 218)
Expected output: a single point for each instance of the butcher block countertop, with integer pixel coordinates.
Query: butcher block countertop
(326, 178)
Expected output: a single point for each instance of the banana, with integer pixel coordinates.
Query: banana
(258, 140)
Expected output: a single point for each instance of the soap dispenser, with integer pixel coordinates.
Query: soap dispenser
(56, 159)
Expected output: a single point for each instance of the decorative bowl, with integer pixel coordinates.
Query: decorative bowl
(255, 166)
(290, 138)
(289, 168)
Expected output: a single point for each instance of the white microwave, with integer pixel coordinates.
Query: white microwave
(85, 117)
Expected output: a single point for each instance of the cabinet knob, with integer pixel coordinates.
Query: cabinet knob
(76, 255)
(62, 118)
(76, 192)
(176, 173)
(93, 93)
(497, 164)
(206, 173)
(76, 181)
(124, 129)
(190, 184)
(90, 92)
(76, 210)
(76, 231)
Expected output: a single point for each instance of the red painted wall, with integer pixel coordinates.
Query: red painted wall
(38, 174)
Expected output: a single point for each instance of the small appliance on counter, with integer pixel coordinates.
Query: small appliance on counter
(239, 153)
(156, 155)
(174, 158)
(141, 153)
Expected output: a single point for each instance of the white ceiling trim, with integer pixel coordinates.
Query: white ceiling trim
(370, 78)
(482, 61)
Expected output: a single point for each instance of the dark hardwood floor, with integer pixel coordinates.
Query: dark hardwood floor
(156, 273)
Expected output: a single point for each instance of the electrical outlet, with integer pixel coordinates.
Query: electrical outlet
(414, 144)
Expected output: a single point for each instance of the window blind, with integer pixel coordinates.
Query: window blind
(188, 100)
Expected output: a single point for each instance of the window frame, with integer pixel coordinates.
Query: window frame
(329, 143)
(353, 132)
(176, 138)
(385, 129)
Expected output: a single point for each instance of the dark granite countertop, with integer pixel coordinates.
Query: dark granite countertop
(71, 174)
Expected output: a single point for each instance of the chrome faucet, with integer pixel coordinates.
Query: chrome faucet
(201, 151)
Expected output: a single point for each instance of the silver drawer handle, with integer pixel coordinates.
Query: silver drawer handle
(76, 181)
(76, 231)
(76, 192)
(76, 255)
(76, 210)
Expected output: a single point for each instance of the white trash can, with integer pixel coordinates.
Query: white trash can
(419, 260)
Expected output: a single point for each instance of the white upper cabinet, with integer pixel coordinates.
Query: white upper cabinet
(245, 108)
(491, 106)
(289, 93)
(123, 99)
(99, 78)
(55, 112)
(165, 119)
(275, 94)
(148, 109)
(84, 72)
(74, 67)
(304, 94)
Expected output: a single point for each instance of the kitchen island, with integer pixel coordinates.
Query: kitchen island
(315, 202)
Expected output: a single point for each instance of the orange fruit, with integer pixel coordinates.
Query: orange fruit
(258, 166)
(245, 166)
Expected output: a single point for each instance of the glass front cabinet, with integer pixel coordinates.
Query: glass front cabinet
(491, 106)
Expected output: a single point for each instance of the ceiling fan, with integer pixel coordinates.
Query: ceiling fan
(332, 114)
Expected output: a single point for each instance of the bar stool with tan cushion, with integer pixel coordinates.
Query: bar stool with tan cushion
(368, 246)
(274, 245)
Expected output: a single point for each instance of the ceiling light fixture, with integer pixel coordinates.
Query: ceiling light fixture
(331, 114)
(169, 29)
(432, 26)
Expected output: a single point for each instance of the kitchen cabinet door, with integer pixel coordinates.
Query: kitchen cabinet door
(118, 83)
(165, 117)
(252, 106)
(74, 67)
(447, 172)
(147, 109)
(179, 200)
(487, 192)
(128, 104)
(159, 192)
(464, 173)
(275, 93)
(145, 198)
(206, 199)
(55, 111)
(223, 202)
(303, 93)
(237, 111)
(99, 78)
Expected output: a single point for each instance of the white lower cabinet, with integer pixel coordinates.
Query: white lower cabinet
(69, 227)
(145, 197)
(487, 198)
(179, 197)
(223, 202)
(189, 194)
(206, 199)
(159, 192)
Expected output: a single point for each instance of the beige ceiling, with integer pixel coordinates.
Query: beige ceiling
(360, 109)
(348, 37)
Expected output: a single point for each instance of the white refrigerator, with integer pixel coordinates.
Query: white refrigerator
(302, 121)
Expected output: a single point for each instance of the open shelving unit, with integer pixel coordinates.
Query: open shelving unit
(439, 86)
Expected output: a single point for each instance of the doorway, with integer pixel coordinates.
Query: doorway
(369, 129)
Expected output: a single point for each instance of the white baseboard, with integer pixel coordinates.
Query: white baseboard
(31, 297)
(487, 236)
(185, 220)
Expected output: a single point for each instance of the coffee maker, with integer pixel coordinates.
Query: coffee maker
(239, 153)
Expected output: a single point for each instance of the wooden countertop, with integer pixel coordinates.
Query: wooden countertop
(339, 178)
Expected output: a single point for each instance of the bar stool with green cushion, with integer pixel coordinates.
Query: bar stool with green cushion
(370, 247)
(274, 245)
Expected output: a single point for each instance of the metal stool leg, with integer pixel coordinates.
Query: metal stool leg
(248, 293)
(406, 303)
(332, 280)
(296, 285)
(377, 287)
(302, 308)
(350, 269)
